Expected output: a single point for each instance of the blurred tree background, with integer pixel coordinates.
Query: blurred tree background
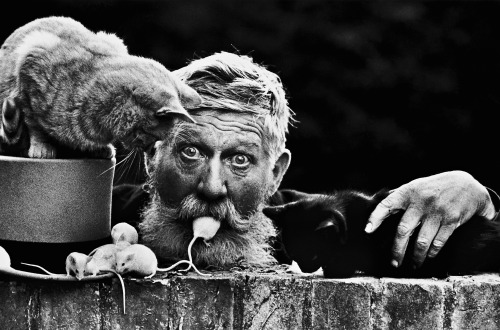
(384, 91)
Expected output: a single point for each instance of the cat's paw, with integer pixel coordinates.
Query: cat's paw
(10, 128)
(294, 268)
(42, 150)
(108, 152)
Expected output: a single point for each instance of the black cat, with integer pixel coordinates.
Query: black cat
(328, 231)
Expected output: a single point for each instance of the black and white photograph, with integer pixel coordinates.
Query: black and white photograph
(217, 164)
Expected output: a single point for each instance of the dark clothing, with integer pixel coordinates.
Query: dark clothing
(127, 203)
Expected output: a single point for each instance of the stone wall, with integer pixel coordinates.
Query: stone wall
(253, 301)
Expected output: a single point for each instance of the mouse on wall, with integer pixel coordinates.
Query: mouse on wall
(123, 231)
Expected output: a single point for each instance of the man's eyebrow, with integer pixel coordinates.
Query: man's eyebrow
(185, 133)
(248, 144)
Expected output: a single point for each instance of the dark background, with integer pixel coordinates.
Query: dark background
(384, 92)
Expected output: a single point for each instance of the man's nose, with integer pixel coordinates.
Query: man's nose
(212, 185)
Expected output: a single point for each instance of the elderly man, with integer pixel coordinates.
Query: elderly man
(232, 160)
(228, 164)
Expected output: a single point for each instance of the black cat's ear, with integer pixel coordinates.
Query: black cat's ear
(273, 212)
(337, 223)
(289, 195)
(277, 213)
(325, 224)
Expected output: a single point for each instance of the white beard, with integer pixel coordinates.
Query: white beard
(239, 241)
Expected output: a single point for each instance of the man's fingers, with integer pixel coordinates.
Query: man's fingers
(409, 221)
(426, 234)
(441, 237)
(396, 201)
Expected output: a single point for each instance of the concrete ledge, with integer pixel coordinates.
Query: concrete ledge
(254, 301)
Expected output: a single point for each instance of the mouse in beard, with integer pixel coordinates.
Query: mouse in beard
(80, 91)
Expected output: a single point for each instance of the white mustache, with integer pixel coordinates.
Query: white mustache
(224, 211)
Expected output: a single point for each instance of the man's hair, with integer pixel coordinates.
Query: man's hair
(231, 82)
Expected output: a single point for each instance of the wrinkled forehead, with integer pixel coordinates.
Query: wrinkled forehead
(239, 127)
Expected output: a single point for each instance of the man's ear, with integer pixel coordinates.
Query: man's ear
(279, 170)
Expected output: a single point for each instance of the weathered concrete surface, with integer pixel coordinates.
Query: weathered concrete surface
(253, 301)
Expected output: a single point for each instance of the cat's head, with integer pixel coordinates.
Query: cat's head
(310, 228)
(151, 100)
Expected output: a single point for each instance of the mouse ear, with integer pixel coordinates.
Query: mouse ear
(121, 238)
(72, 260)
(93, 251)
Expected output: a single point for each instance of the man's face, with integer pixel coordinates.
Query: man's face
(220, 156)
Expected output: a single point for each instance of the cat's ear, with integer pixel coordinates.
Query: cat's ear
(336, 223)
(284, 196)
(278, 213)
(175, 110)
(189, 97)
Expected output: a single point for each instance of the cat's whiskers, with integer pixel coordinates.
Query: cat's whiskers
(141, 154)
(124, 165)
(130, 164)
(121, 161)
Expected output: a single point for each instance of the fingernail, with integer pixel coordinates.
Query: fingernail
(368, 228)
(394, 264)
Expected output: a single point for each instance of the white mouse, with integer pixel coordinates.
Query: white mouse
(124, 232)
(103, 258)
(4, 258)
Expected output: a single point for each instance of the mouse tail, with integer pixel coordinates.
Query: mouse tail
(122, 284)
(174, 265)
(37, 266)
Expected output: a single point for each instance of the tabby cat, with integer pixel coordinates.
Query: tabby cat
(79, 90)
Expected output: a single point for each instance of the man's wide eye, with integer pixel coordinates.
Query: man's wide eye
(240, 160)
(191, 152)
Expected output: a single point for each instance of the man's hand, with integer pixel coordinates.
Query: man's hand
(441, 203)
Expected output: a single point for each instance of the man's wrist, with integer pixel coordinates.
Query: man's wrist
(495, 199)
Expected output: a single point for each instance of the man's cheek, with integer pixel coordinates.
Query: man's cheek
(250, 195)
(172, 184)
